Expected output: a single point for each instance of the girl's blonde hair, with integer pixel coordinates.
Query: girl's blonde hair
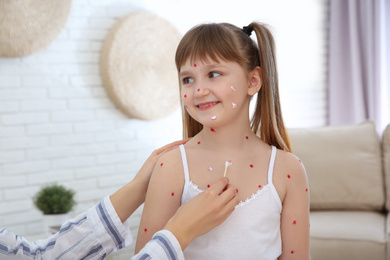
(230, 43)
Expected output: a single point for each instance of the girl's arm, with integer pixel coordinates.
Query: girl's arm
(295, 226)
(163, 197)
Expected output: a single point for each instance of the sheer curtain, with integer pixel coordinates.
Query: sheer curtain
(358, 62)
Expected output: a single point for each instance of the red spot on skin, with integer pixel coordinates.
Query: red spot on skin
(294, 222)
(306, 190)
(260, 186)
(161, 164)
(246, 137)
(146, 230)
(195, 65)
(292, 251)
(198, 89)
(185, 106)
(212, 130)
(288, 176)
(237, 190)
(251, 165)
(208, 185)
(185, 96)
(172, 193)
(198, 142)
(300, 161)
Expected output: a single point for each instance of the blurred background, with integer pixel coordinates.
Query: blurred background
(57, 123)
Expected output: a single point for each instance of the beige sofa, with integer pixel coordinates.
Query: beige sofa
(348, 168)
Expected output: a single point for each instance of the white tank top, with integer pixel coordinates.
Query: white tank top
(252, 231)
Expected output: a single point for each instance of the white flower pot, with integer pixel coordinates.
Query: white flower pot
(53, 222)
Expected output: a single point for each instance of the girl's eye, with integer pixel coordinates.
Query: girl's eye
(187, 80)
(214, 74)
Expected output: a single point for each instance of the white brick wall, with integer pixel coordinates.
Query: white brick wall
(57, 123)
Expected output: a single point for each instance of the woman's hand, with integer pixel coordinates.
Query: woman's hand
(203, 213)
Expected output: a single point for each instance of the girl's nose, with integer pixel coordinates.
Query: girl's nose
(201, 91)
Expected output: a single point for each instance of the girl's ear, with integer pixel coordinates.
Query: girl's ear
(255, 81)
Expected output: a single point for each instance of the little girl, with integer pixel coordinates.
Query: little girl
(220, 69)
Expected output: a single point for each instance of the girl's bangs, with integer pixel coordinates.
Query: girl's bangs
(211, 42)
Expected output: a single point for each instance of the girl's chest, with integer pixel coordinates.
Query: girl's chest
(248, 174)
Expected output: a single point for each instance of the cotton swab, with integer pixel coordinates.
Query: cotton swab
(227, 164)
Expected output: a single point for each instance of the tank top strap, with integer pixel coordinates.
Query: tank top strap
(185, 164)
(271, 164)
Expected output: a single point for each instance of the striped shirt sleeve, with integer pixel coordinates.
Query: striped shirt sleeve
(163, 246)
(94, 234)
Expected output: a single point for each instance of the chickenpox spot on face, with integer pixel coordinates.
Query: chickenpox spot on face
(195, 65)
(185, 96)
(212, 130)
(288, 176)
(251, 165)
(246, 137)
(208, 185)
(172, 194)
(294, 222)
(198, 89)
(259, 186)
(146, 230)
(210, 169)
(237, 190)
(292, 251)
(198, 142)
(161, 164)
(306, 189)
(233, 89)
(234, 105)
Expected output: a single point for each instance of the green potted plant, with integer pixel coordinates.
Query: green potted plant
(55, 201)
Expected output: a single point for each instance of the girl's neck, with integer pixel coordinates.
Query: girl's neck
(233, 136)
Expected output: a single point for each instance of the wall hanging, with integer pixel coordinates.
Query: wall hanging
(138, 67)
(28, 26)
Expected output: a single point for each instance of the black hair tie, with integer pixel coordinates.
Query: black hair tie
(248, 30)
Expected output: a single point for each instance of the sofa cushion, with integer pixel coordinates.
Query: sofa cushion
(347, 235)
(386, 162)
(343, 164)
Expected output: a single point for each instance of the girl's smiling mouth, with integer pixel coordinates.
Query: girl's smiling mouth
(207, 105)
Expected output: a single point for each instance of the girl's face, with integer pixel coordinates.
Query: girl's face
(215, 93)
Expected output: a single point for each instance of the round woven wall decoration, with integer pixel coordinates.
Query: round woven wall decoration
(138, 66)
(28, 26)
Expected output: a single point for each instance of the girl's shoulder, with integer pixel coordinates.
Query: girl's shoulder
(289, 172)
(287, 161)
(170, 161)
